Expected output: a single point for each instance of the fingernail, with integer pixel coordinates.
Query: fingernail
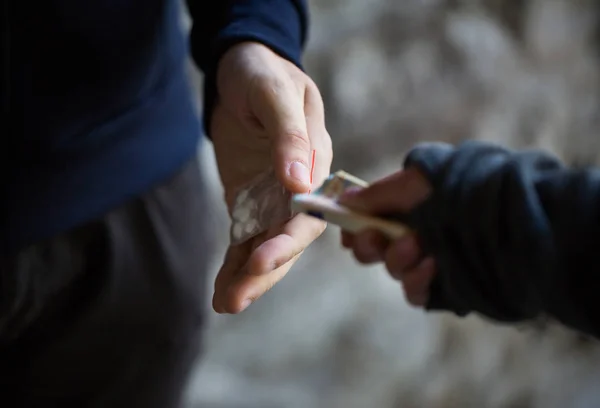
(246, 303)
(300, 172)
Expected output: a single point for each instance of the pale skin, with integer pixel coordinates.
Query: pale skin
(270, 113)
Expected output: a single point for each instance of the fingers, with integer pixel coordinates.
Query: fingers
(234, 260)
(279, 107)
(241, 283)
(402, 258)
(401, 255)
(295, 237)
(416, 282)
(369, 247)
(403, 262)
(397, 193)
(248, 288)
(347, 240)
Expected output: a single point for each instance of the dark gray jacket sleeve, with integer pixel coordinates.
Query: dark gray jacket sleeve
(515, 235)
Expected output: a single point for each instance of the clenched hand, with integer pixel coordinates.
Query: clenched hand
(398, 193)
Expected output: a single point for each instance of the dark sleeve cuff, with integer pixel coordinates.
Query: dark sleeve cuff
(281, 25)
(486, 228)
(430, 159)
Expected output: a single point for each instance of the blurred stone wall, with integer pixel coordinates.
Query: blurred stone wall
(521, 72)
(334, 334)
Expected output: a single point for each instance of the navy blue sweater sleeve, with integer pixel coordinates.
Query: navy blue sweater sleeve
(515, 235)
(281, 25)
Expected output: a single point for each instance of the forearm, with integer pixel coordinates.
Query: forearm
(514, 234)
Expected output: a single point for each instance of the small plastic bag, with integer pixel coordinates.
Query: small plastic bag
(260, 205)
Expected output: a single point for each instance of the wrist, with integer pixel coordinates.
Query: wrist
(234, 59)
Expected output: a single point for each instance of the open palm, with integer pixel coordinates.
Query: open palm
(270, 114)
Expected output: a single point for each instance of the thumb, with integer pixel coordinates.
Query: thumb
(280, 109)
(397, 193)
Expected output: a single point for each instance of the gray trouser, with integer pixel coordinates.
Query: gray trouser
(109, 314)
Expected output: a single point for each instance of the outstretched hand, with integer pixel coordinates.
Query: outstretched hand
(270, 114)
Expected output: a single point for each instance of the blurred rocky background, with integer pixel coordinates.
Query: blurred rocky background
(336, 335)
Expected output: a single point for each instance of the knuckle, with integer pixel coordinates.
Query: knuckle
(267, 88)
(311, 86)
(297, 137)
(277, 263)
(275, 85)
(300, 85)
(271, 86)
(259, 263)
